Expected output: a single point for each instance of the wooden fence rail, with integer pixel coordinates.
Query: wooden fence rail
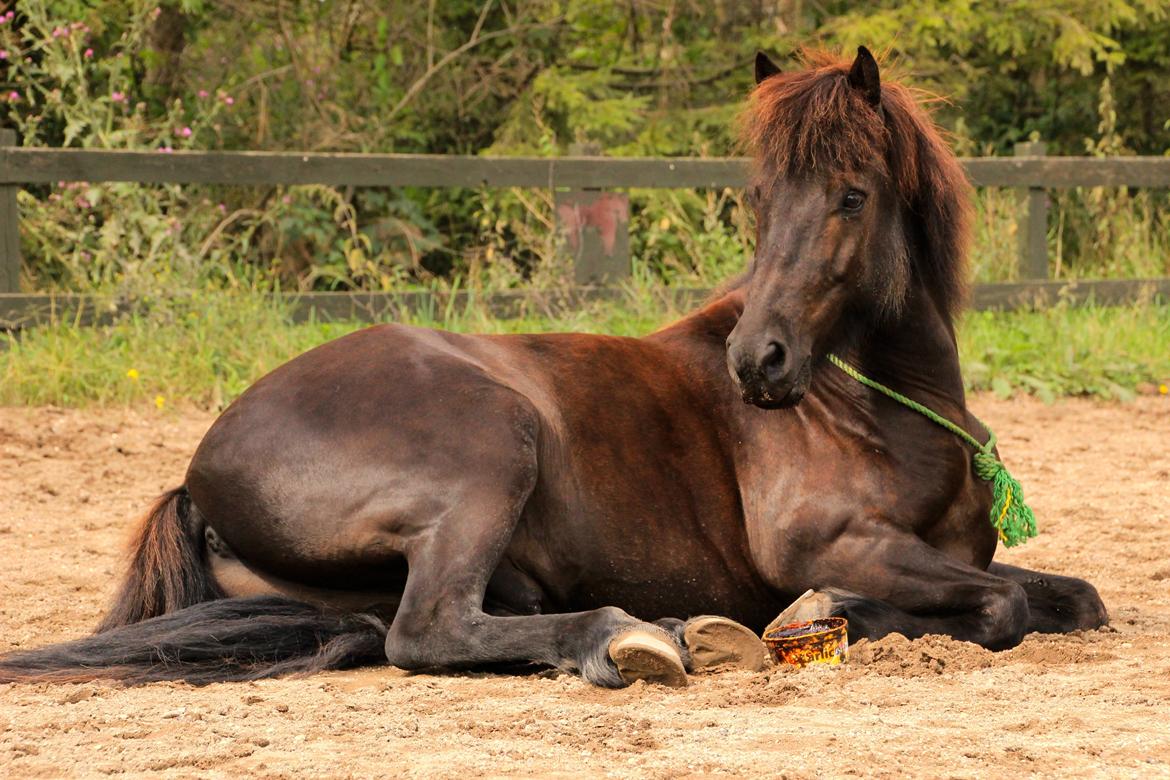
(593, 217)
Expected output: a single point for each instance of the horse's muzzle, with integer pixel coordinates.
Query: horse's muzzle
(771, 378)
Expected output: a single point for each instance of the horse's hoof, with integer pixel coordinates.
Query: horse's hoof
(812, 605)
(642, 655)
(717, 641)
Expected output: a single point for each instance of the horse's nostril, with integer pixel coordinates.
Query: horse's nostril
(772, 360)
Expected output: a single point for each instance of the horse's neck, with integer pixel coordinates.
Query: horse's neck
(915, 354)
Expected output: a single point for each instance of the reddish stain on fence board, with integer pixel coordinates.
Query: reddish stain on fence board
(608, 214)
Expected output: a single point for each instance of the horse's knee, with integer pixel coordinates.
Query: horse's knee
(1004, 616)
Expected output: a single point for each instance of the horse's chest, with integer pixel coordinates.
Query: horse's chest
(910, 484)
(826, 499)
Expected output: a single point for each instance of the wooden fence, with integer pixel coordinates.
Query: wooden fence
(593, 216)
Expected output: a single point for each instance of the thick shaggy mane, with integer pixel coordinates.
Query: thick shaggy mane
(811, 120)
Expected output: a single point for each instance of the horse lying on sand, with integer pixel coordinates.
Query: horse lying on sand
(426, 499)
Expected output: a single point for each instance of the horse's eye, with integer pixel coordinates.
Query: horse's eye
(853, 201)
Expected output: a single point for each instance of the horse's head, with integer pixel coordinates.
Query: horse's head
(838, 178)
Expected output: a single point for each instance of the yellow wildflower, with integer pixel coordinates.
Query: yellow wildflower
(1163, 389)
(159, 401)
(133, 374)
(664, 224)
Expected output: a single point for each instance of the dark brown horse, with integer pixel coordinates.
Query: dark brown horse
(430, 499)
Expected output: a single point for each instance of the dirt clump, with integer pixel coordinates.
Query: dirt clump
(897, 656)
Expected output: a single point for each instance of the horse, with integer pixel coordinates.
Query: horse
(623, 508)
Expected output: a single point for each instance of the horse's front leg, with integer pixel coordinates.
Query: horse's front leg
(892, 581)
(1056, 604)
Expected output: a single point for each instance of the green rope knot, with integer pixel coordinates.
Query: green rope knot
(987, 465)
(1011, 517)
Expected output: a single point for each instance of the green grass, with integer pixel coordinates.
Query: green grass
(1066, 350)
(210, 350)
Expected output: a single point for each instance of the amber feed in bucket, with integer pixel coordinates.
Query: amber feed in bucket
(823, 641)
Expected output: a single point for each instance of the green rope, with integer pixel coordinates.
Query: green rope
(1012, 518)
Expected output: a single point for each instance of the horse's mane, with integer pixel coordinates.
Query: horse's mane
(812, 120)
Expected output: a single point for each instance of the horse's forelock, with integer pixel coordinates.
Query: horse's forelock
(811, 120)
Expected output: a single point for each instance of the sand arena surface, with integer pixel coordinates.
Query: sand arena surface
(1098, 476)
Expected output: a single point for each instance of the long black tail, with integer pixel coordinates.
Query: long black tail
(170, 621)
(167, 571)
(217, 641)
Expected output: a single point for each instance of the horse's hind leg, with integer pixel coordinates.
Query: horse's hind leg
(441, 620)
(1056, 604)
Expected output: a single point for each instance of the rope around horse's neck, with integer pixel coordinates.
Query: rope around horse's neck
(1012, 518)
(911, 403)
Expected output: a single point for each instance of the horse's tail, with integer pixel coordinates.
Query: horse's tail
(170, 621)
(216, 641)
(167, 568)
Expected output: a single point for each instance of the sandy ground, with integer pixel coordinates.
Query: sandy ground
(1094, 704)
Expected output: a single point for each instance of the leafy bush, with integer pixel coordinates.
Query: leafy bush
(527, 77)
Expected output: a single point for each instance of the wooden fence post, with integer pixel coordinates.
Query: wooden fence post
(1032, 232)
(596, 228)
(9, 226)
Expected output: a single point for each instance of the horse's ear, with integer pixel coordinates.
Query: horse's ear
(765, 68)
(864, 77)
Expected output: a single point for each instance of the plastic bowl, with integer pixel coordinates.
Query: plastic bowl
(823, 641)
